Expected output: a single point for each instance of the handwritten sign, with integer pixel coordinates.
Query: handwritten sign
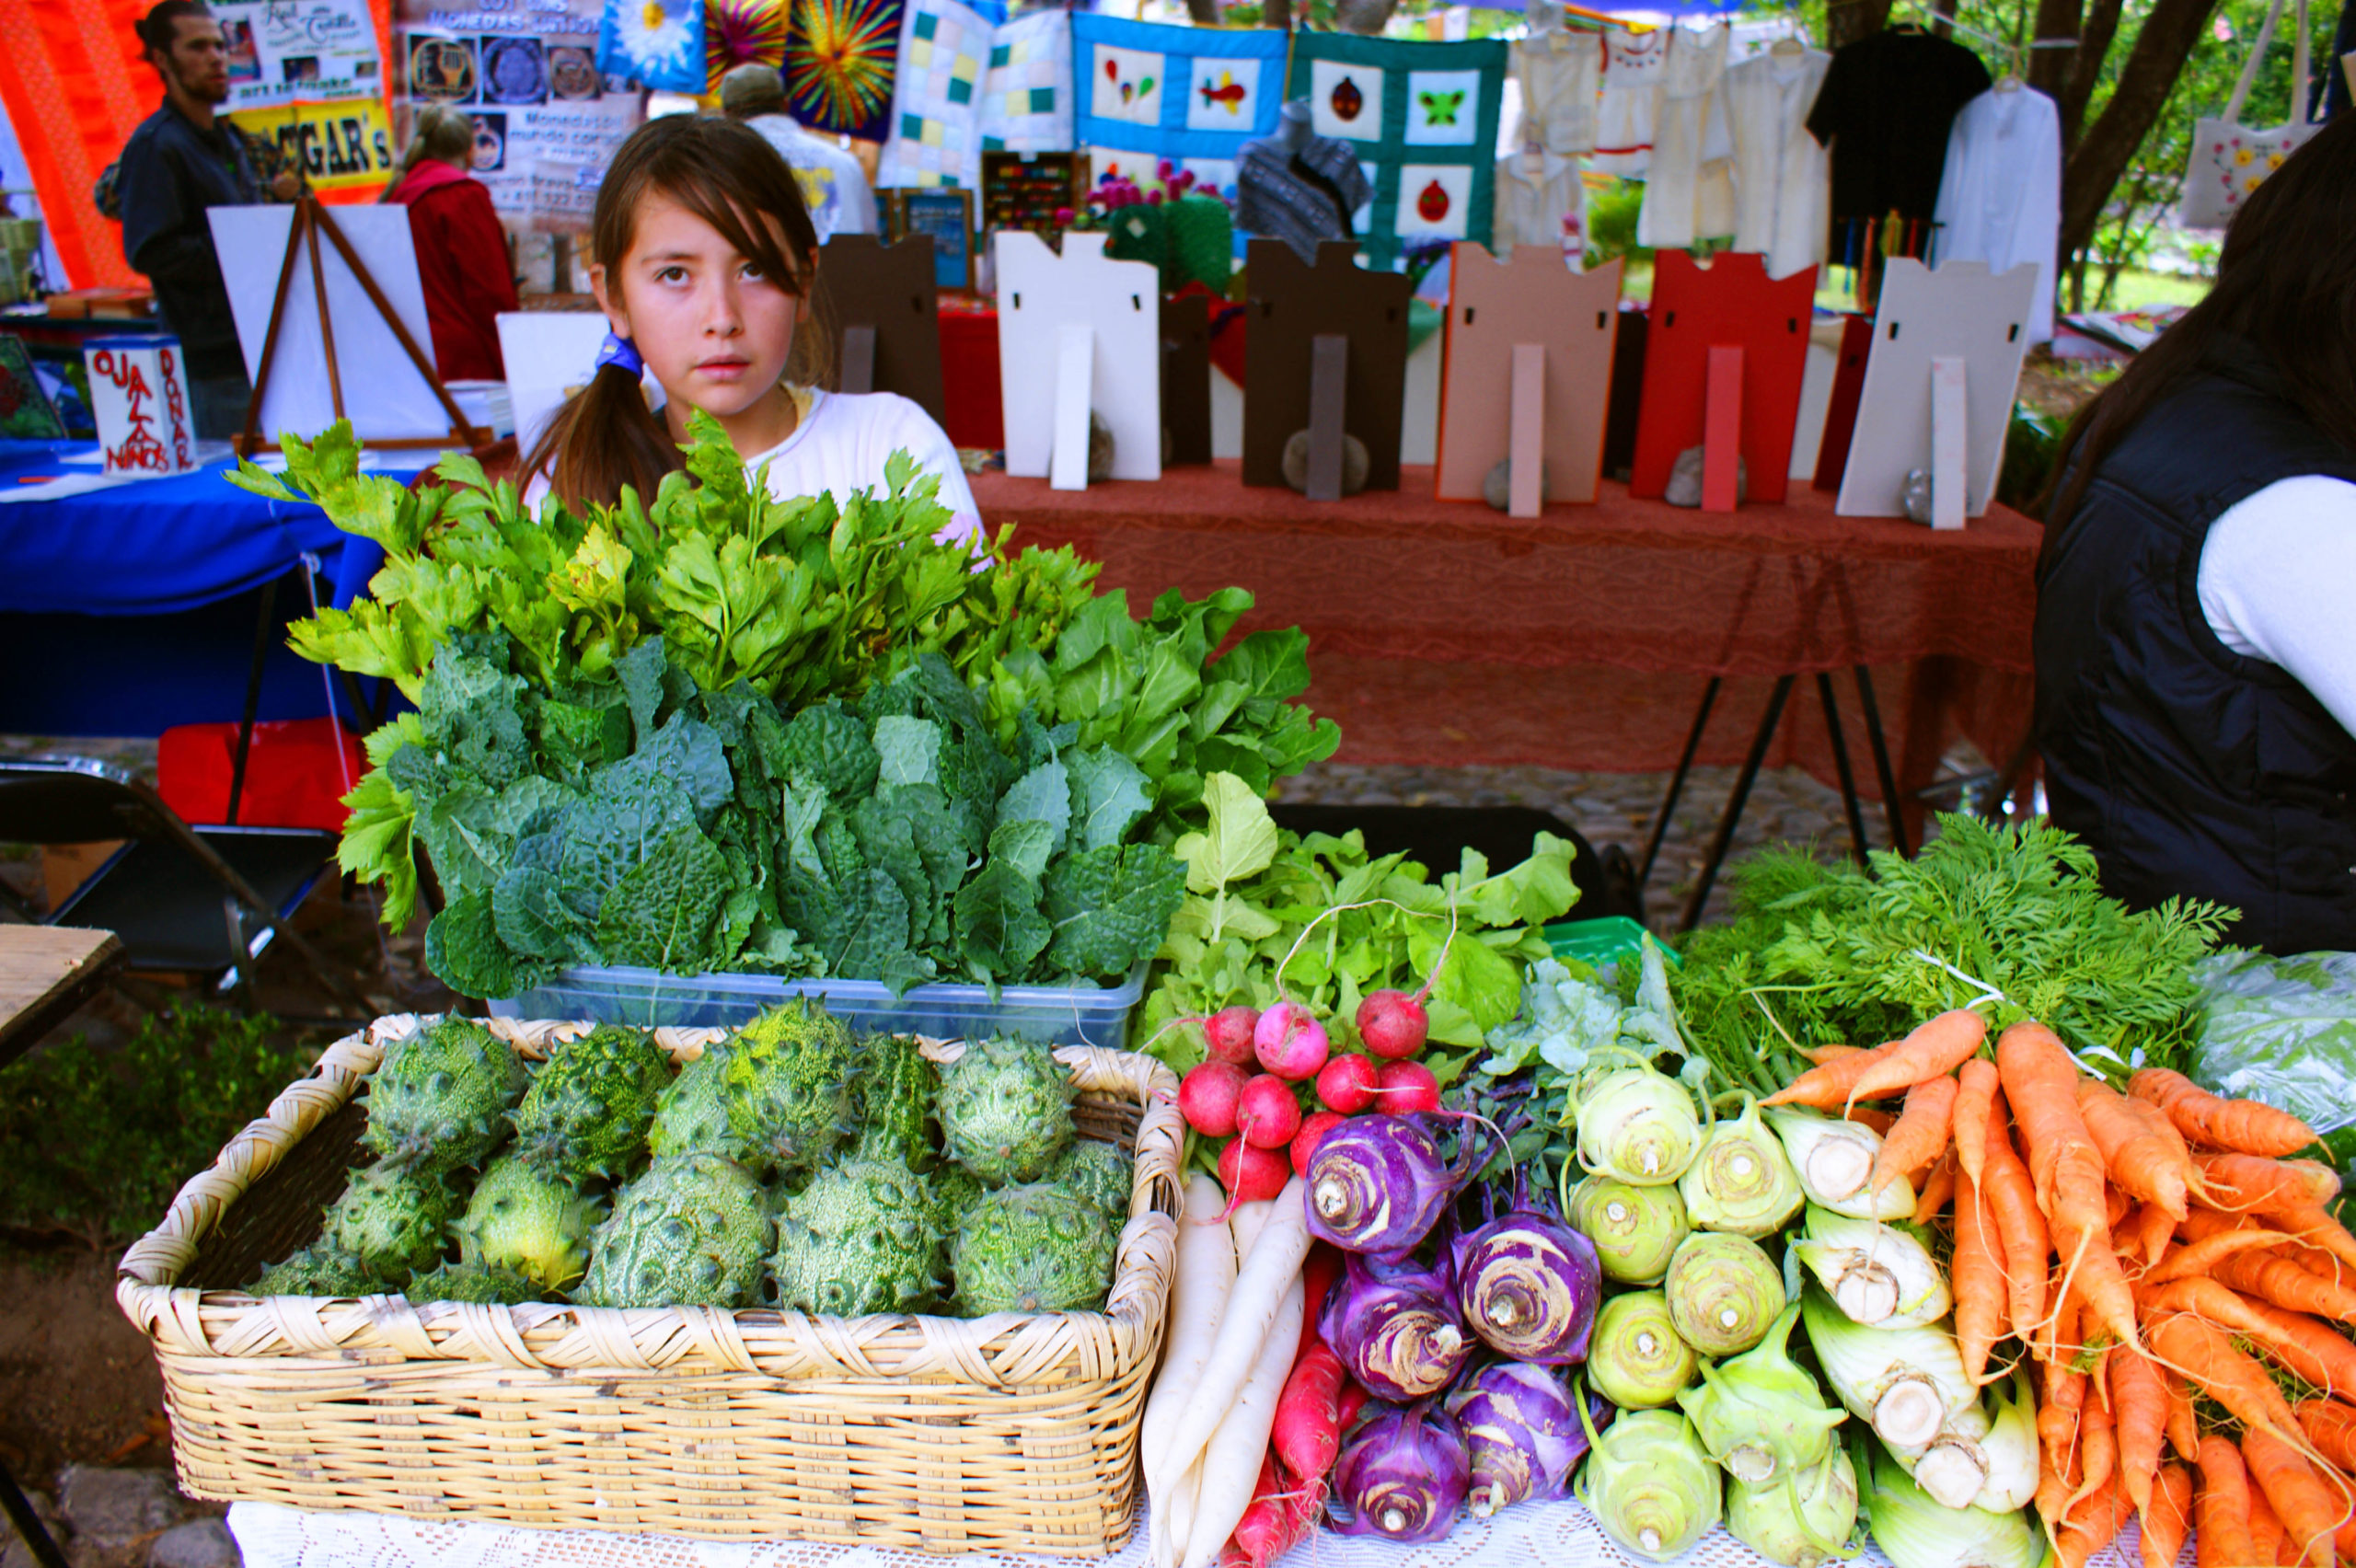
(139, 394)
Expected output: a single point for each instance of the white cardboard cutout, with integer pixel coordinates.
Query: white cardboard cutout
(383, 394)
(1957, 311)
(1120, 302)
(551, 354)
(139, 399)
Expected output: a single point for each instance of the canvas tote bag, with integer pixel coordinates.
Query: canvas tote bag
(2229, 160)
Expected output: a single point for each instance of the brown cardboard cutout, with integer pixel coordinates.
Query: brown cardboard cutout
(1186, 377)
(1493, 306)
(1292, 303)
(864, 283)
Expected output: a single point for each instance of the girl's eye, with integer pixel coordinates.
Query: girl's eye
(672, 274)
(752, 272)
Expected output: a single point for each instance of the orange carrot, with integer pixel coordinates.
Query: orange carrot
(2319, 1231)
(2041, 1087)
(2091, 1524)
(1975, 1097)
(2221, 1535)
(1818, 1055)
(1880, 1120)
(2167, 1518)
(2244, 1183)
(2189, 1345)
(2312, 1513)
(2097, 1452)
(1918, 1136)
(2183, 1425)
(2314, 1352)
(2148, 1232)
(2087, 1256)
(1935, 1050)
(2137, 1162)
(1976, 1274)
(1825, 1086)
(2207, 1119)
(2330, 1426)
(2199, 1259)
(2116, 1204)
(2139, 1403)
(1936, 1190)
(2287, 1285)
(2015, 1228)
(2265, 1526)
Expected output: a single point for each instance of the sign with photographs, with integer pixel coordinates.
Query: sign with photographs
(306, 75)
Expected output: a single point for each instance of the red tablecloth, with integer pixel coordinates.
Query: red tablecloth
(1446, 633)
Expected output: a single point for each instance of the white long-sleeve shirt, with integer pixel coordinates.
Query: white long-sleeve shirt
(1783, 177)
(833, 183)
(2276, 574)
(2000, 198)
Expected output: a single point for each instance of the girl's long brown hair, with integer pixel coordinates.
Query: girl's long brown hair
(2286, 291)
(725, 173)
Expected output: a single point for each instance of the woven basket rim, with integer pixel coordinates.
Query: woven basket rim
(1002, 1350)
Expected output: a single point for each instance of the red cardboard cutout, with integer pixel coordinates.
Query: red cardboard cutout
(1730, 303)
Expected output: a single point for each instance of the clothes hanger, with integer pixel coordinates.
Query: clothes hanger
(2005, 47)
(1787, 48)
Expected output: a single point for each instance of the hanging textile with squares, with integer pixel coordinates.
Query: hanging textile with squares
(963, 85)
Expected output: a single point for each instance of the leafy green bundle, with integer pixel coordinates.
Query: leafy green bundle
(1254, 890)
(1828, 955)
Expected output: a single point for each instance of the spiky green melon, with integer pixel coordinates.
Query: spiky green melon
(860, 1238)
(1099, 1172)
(586, 1114)
(694, 1231)
(484, 1283)
(691, 1116)
(440, 1098)
(397, 1221)
(1005, 1109)
(955, 1190)
(1040, 1248)
(320, 1270)
(789, 1084)
(897, 1088)
(527, 1218)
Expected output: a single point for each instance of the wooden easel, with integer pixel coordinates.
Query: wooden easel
(312, 219)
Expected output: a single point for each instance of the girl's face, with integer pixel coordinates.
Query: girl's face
(711, 328)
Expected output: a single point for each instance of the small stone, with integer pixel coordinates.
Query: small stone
(1915, 495)
(199, 1543)
(1497, 488)
(110, 1512)
(1100, 448)
(1356, 463)
(1685, 480)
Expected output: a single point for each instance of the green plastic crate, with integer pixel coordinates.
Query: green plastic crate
(1598, 942)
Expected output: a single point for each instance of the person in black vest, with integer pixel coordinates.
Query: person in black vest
(181, 160)
(2196, 619)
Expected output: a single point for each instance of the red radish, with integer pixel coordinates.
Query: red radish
(1353, 1401)
(1309, 1429)
(1251, 1175)
(1268, 1115)
(1392, 1023)
(1284, 1510)
(1230, 1033)
(1304, 1142)
(1406, 1088)
(1209, 1095)
(1289, 1043)
(1346, 1083)
(1319, 1272)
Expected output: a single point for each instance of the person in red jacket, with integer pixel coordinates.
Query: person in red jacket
(461, 251)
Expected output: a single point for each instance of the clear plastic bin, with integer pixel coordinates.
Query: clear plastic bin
(1055, 1015)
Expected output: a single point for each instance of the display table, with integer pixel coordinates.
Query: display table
(45, 973)
(1446, 633)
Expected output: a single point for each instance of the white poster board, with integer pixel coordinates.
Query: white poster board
(1040, 292)
(384, 395)
(139, 399)
(550, 355)
(1959, 311)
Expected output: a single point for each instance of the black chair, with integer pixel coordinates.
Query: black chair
(202, 901)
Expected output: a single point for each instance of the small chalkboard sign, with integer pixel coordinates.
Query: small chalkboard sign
(946, 215)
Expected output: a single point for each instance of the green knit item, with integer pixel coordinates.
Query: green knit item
(1188, 240)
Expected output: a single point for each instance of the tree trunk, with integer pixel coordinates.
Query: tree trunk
(2085, 70)
(1847, 21)
(2047, 69)
(1204, 13)
(1277, 14)
(2166, 43)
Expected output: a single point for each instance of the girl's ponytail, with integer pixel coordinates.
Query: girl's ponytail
(603, 438)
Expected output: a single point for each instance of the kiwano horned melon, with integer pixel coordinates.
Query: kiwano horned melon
(1035, 1249)
(693, 1232)
(530, 1220)
(586, 1113)
(1100, 1173)
(486, 1284)
(897, 1094)
(441, 1096)
(396, 1221)
(1006, 1109)
(691, 1116)
(320, 1270)
(860, 1238)
(789, 1084)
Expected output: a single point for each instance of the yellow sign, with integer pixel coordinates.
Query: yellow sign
(342, 145)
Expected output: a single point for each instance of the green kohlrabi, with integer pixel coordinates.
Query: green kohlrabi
(1635, 1230)
(1835, 1161)
(1800, 1519)
(1879, 1274)
(1914, 1531)
(1648, 1484)
(1742, 1181)
(1905, 1382)
(1635, 1357)
(1723, 1292)
(1760, 1415)
(1638, 1125)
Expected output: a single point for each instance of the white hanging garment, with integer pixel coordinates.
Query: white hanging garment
(1536, 191)
(1783, 175)
(1558, 72)
(2000, 196)
(1625, 104)
(1688, 189)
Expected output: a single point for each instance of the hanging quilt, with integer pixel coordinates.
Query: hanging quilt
(838, 63)
(656, 43)
(1424, 119)
(1191, 95)
(963, 85)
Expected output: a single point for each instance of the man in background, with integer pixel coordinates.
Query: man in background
(833, 185)
(181, 160)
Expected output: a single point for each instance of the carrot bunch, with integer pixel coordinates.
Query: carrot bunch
(2141, 1246)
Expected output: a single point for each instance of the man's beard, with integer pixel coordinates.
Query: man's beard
(204, 89)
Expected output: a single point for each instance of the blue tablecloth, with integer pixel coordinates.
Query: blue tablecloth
(126, 610)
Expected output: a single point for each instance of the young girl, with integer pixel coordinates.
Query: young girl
(706, 263)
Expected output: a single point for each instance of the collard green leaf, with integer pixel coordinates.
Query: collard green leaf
(1027, 846)
(1000, 929)
(462, 948)
(641, 673)
(1110, 906)
(1108, 796)
(620, 824)
(575, 738)
(529, 910)
(829, 747)
(472, 710)
(686, 752)
(662, 913)
(873, 941)
(1043, 796)
(887, 840)
(909, 749)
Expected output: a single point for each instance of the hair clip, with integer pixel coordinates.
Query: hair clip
(618, 350)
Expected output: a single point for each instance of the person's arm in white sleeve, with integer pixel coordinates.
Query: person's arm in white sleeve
(910, 428)
(2276, 574)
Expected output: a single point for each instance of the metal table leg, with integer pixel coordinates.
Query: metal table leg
(1724, 838)
(1874, 738)
(1676, 785)
(1849, 802)
(21, 1513)
(264, 624)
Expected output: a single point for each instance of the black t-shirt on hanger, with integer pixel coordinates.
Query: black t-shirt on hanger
(1885, 109)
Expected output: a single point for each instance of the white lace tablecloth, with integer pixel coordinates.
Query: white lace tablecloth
(1556, 1535)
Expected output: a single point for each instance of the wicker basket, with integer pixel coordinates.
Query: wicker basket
(1010, 1433)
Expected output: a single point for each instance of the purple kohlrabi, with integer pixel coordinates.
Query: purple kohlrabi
(1394, 1322)
(1402, 1473)
(1529, 1285)
(1522, 1432)
(1377, 1183)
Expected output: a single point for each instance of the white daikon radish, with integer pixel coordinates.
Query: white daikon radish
(1201, 1279)
(1231, 1461)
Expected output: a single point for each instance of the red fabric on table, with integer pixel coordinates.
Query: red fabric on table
(1445, 633)
(972, 410)
(462, 261)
